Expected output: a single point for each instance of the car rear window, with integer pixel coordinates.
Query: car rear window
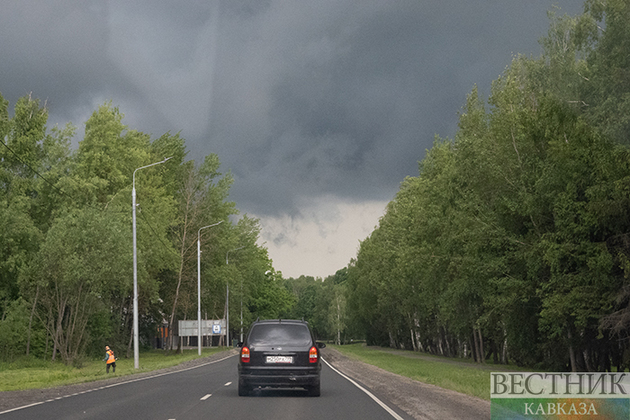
(280, 335)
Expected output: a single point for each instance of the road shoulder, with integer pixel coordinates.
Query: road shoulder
(419, 400)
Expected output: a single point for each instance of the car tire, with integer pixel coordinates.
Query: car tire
(314, 391)
(243, 390)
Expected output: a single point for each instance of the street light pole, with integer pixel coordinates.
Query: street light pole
(136, 350)
(227, 300)
(199, 285)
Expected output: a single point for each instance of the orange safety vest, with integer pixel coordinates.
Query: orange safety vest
(111, 358)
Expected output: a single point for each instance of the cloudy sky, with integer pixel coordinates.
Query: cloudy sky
(319, 108)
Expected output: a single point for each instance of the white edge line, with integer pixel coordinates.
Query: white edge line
(25, 406)
(369, 394)
(116, 384)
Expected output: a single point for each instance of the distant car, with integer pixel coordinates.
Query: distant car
(280, 353)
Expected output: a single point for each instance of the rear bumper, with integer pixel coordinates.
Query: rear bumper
(284, 377)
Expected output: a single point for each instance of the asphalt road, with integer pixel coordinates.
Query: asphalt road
(210, 391)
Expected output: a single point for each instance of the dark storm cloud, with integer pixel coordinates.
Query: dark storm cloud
(298, 99)
(53, 50)
(345, 97)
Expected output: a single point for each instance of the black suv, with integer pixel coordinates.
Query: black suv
(279, 353)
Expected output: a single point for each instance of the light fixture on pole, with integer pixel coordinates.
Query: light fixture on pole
(136, 357)
(199, 285)
(227, 299)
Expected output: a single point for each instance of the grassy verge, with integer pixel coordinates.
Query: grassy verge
(454, 374)
(33, 374)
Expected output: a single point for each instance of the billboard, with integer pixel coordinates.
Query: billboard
(209, 327)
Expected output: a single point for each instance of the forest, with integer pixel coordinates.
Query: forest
(512, 245)
(66, 244)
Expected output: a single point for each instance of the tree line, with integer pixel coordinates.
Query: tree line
(322, 302)
(66, 243)
(513, 243)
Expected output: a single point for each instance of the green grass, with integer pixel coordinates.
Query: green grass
(455, 374)
(31, 373)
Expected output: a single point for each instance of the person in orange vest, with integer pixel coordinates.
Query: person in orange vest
(110, 359)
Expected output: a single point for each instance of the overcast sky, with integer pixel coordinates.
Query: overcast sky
(319, 109)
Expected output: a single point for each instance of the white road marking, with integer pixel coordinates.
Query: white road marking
(228, 384)
(205, 397)
(120, 383)
(369, 394)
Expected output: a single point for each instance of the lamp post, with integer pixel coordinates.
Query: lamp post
(227, 300)
(136, 357)
(199, 285)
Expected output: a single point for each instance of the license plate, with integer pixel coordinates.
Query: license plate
(279, 359)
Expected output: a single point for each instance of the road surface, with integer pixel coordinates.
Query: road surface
(210, 391)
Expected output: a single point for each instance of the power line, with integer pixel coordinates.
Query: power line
(158, 236)
(34, 171)
(86, 204)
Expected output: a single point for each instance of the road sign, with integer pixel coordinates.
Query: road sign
(208, 327)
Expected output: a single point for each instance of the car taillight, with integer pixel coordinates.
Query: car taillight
(245, 355)
(312, 355)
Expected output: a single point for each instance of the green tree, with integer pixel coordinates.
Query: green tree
(269, 299)
(337, 312)
(606, 87)
(74, 269)
(20, 160)
(201, 193)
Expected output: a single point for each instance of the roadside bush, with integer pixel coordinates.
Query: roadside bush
(13, 331)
